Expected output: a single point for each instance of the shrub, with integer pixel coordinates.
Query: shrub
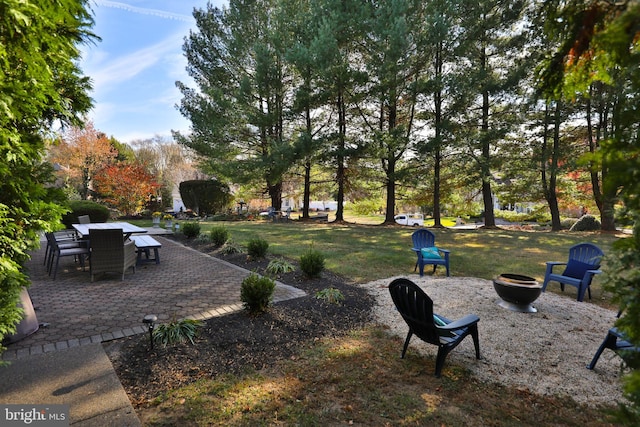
(176, 331)
(191, 229)
(279, 266)
(219, 235)
(331, 295)
(367, 207)
(312, 263)
(203, 239)
(567, 223)
(256, 292)
(257, 247)
(96, 212)
(231, 248)
(205, 196)
(586, 223)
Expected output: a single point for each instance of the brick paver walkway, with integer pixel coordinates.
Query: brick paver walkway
(186, 284)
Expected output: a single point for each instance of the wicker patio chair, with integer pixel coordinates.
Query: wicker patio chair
(58, 250)
(110, 253)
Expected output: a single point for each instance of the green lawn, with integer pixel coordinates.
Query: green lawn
(359, 378)
(363, 252)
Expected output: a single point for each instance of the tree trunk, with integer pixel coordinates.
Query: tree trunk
(437, 100)
(487, 195)
(552, 196)
(604, 200)
(391, 161)
(306, 198)
(340, 173)
(275, 193)
(391, 191)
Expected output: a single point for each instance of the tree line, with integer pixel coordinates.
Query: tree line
(412, 97)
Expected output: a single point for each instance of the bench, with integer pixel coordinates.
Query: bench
(144, 244)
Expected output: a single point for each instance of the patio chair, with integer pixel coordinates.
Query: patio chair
(62, 237)
(582, 265)
(616, 341)
(416, 309)
(84, 219)
(61, 249)
(110, 253)
(427, 252)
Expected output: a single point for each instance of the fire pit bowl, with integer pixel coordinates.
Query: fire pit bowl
(517, 292)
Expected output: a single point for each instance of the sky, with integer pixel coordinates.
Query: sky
(134, 67)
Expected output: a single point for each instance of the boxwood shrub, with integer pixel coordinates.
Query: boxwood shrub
(96, 212)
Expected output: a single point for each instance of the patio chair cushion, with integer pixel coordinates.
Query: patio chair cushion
(577, 269)
(430, 253)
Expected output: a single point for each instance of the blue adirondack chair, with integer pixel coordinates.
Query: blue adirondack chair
(616, 341)
(582, 265)
(416, 308)
(427, 252)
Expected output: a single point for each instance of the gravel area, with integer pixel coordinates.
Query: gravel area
(545, 352)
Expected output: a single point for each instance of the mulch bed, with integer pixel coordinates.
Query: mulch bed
(240, 342)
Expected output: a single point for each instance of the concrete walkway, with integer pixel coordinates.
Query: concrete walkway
(63, 362)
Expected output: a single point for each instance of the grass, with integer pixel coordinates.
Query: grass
(360, 379)
(363, 253)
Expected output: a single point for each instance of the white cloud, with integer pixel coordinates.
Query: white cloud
(106, 73)
(145, 11)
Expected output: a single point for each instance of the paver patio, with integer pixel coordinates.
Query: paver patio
(186, 283)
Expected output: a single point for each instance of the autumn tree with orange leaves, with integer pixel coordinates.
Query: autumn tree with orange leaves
(127, 187)
(80, 153)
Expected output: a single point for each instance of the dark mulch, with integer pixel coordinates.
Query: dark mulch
(240, 342)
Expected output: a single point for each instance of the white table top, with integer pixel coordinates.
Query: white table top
(127, 229)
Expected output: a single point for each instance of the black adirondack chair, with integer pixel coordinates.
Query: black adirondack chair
(416, 309)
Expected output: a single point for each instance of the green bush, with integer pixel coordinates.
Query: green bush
(567, 223)
(191, 229)
(279, 266)
(231, 248)
(219, 235)
(177, 331)
(312, 263)
(536, 215)
(586, 223)
(257, 247)
(207, 196)
(204, 239)
(96, 212)
(367, 206)
(256, 292)
(331, 295)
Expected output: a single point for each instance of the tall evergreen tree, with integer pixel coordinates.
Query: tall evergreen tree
(335, 49)
(394, 50)
(308, 96)
(238, 114)
(493, 54)
(442, 30)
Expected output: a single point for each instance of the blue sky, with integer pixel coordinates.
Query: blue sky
(135, 66)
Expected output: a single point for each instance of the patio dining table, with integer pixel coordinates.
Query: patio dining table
(127, 228)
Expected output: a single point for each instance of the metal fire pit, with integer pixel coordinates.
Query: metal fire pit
(517, 292)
